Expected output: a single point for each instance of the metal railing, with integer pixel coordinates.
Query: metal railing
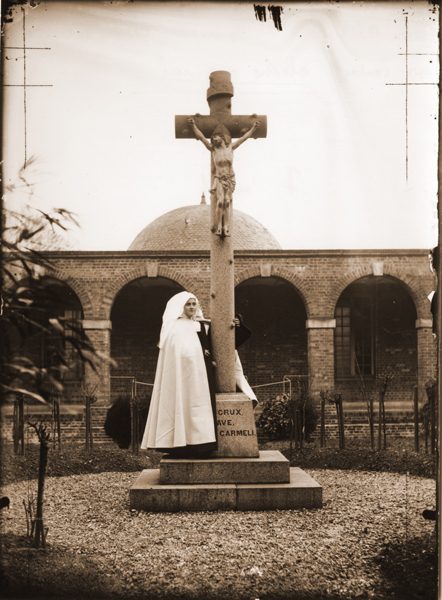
(296, 402)
(286, 384)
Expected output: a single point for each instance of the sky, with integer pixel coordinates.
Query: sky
(350, 157)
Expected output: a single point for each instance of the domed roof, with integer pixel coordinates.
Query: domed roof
(187, 228)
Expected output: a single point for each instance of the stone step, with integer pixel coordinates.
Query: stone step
(148, 494)
(270, 467)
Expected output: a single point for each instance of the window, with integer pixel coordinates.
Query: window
(354, 337)
(342, 341)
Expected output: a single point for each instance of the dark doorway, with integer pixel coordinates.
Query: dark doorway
(136, 323)
(274, 311)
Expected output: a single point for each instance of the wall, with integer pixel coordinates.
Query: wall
(312, 282)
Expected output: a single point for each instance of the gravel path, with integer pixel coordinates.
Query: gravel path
(97, 544)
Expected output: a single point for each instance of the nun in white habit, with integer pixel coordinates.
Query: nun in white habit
(181, 418)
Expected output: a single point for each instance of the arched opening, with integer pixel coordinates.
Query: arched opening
(274, 312)
(53, 298)
(136, 323)
(375, 334)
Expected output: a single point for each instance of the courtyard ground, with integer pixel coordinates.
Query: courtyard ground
(368, 541)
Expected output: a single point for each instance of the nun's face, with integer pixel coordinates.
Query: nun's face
(190, 308)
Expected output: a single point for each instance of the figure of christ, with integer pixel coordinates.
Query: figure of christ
(223, 176)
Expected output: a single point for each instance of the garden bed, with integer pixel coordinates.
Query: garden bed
(73, 459)
(370, 540)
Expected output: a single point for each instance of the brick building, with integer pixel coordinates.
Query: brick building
(328, 315)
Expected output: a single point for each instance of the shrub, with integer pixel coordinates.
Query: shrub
(118, 420)
(277, 417)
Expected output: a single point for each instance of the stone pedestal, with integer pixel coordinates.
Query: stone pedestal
(270, 467)
(236, 477)
(263, 483)
(300, 491)
(235, 424)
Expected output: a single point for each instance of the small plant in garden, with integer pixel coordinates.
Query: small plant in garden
(29, 505)
(38, 530)
(89, 396)
(276, 419)
(336, 399)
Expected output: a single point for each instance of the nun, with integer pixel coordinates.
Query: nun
(181, 419)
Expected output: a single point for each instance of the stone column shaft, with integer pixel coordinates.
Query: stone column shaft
(321, 361)
(426, 363)
(98, 331)
(222, 308)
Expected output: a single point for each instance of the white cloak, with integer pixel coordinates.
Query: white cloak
(180, 411)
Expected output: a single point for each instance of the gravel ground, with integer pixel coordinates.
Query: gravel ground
(369, 541)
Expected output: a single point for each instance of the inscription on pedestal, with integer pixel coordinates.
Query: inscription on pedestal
(235, 423)
(227, 423)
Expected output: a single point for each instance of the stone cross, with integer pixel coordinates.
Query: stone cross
(222, 298)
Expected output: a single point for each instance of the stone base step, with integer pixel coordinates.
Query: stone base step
(148, 494)
(270, 467)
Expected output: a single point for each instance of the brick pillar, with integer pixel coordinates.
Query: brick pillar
(98, 332)
(426, 355)
(320, 346)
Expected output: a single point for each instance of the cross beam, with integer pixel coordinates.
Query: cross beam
(222, 288)
(219, 97)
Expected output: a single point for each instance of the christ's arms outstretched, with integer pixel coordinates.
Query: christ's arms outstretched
(200, 136)
(247, 135)
(223, 177)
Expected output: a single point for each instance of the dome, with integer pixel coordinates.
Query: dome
(187, 228)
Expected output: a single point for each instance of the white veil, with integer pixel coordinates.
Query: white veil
(174, 310)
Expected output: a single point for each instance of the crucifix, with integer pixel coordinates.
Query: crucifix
(221, 126)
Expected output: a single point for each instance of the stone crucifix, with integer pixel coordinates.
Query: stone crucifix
(220, 127)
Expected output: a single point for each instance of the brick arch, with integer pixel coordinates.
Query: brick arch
(286, 274)
(412, 285)
(77, 286)
(115, 286)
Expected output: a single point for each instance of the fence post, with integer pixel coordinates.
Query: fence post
(89, 440)
(384, 426)
(56, 420)
(322, 419)
(19, 425)
(380, 420)
(133, 418)
(341, 424)
(370, 420)
(432, 399)
(416, 418)
(382, 429)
